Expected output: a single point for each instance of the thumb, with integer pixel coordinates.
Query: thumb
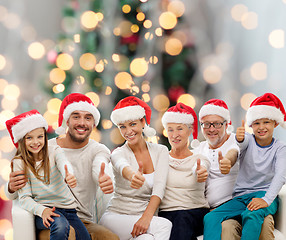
(220, 157)
(54, 209)
(198, 164)
(102, 167)
(66, 170)
(140, 169)
(242, 123)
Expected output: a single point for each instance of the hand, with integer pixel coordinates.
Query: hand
(105, 182)
(141, 226)
(17, 180)
(202, 173)
(240, 132)
(224, 164)
(70, 179)
(47, 216)
(256, 203)
(137, 179)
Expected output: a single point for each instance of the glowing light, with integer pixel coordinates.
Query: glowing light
(36, 50)
(76, 38)
(116, 137)
(8, 104)
(80, 80)
(6, 144)
(259, 71)
(99, 67)
(52, 119)
(148, 36)
(5, 169)
(115, 57)
(12, 21)
(95, 135)
(4, 116)
(11, 92)
(187, 99)
(161, 102)
(126, 8)
(2, 62)
(134, 28)
(165, 133)
(123, 80)
(89, 20)
(5, 225)
(246, 100)
(146, 97)
(3, 84)
(9, 234)
(153, 60)
(116, 31)
(3, 13)
(159, 32)
(176, 7)
(168, 20)
(64, 61)
(94, 98)
(173, 46)
(140, 16)
(59, 88)
(125, 28)
(134, 90)
(139, 67)
(100, 16)
(277, 38)
(249, 20)
(147, 24)
(106, 124)
(87, 61)
(57, 75)
(212, 74)
(54, 105)
(238, 11)
(108, 90)
(145, 86)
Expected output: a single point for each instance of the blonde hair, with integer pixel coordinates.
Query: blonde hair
(29, 162)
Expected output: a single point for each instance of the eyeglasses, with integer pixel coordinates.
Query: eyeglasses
(216, 125)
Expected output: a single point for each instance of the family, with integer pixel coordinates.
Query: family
(226, 187)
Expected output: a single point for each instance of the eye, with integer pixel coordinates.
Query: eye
(121, 127)
(133, 124)
(28, 138)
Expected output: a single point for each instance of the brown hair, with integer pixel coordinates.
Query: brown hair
(30, 163)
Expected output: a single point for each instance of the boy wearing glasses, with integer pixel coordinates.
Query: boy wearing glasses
(261, 175)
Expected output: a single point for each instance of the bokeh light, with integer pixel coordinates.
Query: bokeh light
(116, 137)
(9, 104)
(94, 98)
(161, 102)
(277, 38)
(36, 50)
(89, 20)
(123, 80)
(259, 71)
(139, 67)
(246, 100)
(106, 124)
(249, 20)
(168, 20)
(95, 135)
(3, 84)
(54, 105)
(187, 99)
(176, 7)
(238, 11)
(212, 74)
(87, 61)
(52, 119)
(173, 46)
(126, 8)
(57, 75)
(64, 61)
(6, 144)
(2, 62)
(11, 92)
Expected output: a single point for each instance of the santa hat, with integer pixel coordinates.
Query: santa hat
(181, 113)
(216, 107)
(266, 106)
(75, 102)
(20, 125)
(132, 108)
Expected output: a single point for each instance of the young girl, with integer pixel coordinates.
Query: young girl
(45, 194)
(140, 170)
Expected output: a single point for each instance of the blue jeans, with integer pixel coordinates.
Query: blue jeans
(187, 224)
(251, 220)
(59, 229)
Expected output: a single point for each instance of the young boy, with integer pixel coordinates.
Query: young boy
(262, 171)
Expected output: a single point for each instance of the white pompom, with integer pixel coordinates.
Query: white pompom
(195, 143)
(60, 131)
(283, 124)
(148, 131)
(229, 129)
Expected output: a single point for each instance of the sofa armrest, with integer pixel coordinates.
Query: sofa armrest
(280, 217)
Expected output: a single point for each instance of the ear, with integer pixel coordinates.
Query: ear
(143, 121)
(275, 124)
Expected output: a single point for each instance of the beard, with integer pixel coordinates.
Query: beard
(80, 139)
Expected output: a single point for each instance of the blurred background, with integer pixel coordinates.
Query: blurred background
(162, 51)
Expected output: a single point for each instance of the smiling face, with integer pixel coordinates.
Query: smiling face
(35, 141)
(178, 135)
(215, 137)
(263, 130)
(80, 125)
(131, 131)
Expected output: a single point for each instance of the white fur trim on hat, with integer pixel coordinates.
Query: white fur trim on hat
(82, 106)
(28, 124)
(129, 113)
(264, 111)
(177, 117)
(211, 109)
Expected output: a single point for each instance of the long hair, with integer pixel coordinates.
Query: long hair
(29, 161)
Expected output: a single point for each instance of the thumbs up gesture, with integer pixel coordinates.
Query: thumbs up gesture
(202, 173)
(224, 164)
(240, 132)
(70, 179)
(137, 179)
(105, 182)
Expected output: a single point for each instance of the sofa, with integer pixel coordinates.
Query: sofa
(24, 229)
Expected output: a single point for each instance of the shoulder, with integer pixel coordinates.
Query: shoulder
(92, 144)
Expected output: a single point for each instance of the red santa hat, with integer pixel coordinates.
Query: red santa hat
(216, 107)
(266, 106)
(20, 125)
(132, 108)
(181, 113)
(75, 102)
